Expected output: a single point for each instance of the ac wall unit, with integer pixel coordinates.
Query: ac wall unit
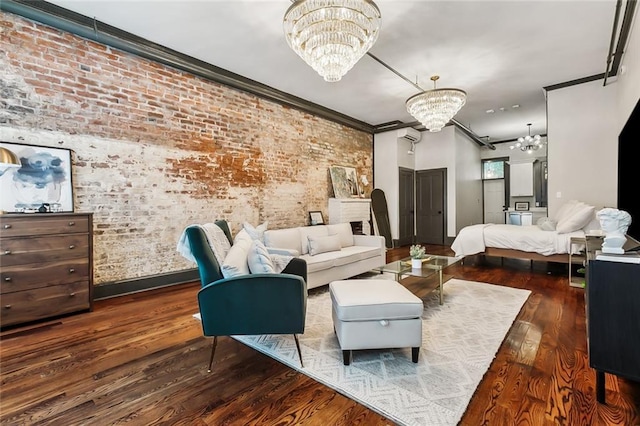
(409, 134)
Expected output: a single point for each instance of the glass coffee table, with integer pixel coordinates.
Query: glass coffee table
(431, 265)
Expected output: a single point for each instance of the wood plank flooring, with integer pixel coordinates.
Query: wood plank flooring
(141, 359)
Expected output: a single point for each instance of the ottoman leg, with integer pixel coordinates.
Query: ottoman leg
(346, 357)
(414, 354)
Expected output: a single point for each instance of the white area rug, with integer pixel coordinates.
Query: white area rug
(459, 341)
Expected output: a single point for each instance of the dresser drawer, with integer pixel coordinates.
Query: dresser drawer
(43, 302)
(25, 277)
(20, 251)
(44, 224)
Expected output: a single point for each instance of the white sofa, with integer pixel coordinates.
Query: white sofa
(332, 252)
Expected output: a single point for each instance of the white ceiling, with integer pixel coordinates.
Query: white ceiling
(502, 53)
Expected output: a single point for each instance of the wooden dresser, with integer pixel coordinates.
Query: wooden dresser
(46, 266)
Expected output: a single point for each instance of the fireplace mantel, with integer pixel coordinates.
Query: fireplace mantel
(343, 210)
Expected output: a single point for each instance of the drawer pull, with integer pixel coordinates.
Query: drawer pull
(7, 252)
(72, 246)
(72, 294)
(7, 306)
(71, 270)
(7, 279)
(72, 223)
(7, 226)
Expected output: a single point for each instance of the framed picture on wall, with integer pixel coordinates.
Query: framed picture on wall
(42, 183)
(316, 218)
(521, 206)
(344, 181)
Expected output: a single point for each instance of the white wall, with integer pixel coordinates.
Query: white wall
(385, 173)
(584, 123)
(438, 151)
(468, 182)
(583, 145)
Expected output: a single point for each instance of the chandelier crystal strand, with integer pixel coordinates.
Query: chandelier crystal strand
(435, 108)
(332, 35)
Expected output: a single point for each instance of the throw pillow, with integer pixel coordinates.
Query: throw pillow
(259, 260)
(257, 232)
(580, 216)
(344, 231)
(546, 224)
(565, 210)
(236, 263)
(218, 241)
(242, 235)
(325, 244)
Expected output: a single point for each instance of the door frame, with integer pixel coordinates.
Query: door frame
(445, 211)
(403, 239)
(506, 178)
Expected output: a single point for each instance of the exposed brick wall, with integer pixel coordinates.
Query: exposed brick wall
(156, 149)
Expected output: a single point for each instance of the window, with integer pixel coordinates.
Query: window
(492, 169)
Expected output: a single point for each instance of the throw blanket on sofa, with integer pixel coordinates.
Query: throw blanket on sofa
(185, 250)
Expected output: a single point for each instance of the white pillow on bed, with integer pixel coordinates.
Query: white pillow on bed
(577, 218)
(565, 210)
(546, 224)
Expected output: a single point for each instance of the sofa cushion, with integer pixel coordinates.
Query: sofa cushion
(344, 231)
(355, 253)
(235, 263)
(259, 259)
(320, 262)
(283, 239)
(323, 244)
(314, 231)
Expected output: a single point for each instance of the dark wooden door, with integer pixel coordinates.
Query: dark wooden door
(406, 205)
(430, 206)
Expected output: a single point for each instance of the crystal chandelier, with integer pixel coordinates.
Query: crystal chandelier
(434, 108)
(332, 35)
(528, 143)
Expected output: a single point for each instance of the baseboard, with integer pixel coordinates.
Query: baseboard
(135, 285)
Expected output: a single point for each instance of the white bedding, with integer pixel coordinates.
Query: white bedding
(475, 238)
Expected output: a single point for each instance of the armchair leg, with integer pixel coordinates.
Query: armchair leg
(213, 351)
(299, 353)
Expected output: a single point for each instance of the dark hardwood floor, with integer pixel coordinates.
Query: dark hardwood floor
(141, 359)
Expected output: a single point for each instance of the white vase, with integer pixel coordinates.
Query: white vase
(416, 263)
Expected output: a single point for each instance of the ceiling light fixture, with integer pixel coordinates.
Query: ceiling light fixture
(528, 143)
(332, 35)
(435, 108)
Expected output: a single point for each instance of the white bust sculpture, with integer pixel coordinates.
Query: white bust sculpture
(614, 223)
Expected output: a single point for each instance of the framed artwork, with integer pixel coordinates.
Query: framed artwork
(521, 205)
(44, 180)
(316, 218)
(344, 181)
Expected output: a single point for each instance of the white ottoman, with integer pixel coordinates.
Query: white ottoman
(375, 314)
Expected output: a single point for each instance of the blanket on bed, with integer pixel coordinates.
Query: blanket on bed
(475, 238)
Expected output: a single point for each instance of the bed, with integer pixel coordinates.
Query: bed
(548, 241)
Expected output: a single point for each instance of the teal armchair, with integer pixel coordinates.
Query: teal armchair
(250, 304)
